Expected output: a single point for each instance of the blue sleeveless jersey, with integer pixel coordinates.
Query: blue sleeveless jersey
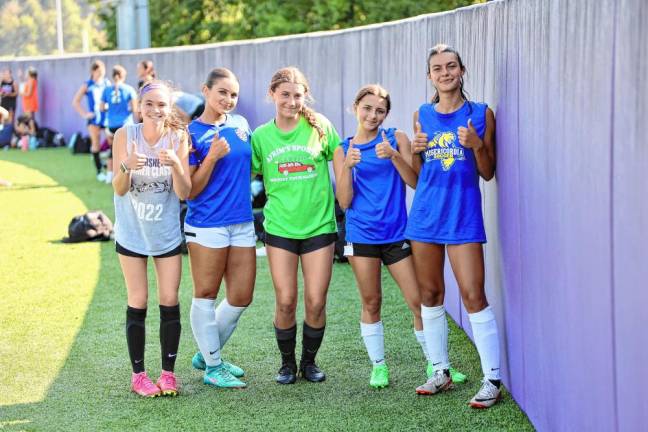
(226, 199)
(94, 95)
(377, 214)
(447, 207)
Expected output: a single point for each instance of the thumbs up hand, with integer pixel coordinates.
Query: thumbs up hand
(353, 155)
(468, 136)
(135, 160)
(420, 142)
(219, 148)
(384, 150)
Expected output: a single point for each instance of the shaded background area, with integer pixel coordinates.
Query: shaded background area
(567, 217)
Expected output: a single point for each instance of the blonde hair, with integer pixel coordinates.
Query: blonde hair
(293, 75)
(173, 122)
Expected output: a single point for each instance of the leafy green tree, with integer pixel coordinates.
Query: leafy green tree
(185, 22)
(29, 27)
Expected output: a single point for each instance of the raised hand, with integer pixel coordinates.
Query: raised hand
(353, 155)
(135, 160)
(384, 150)
(468, 136)
(420, 142)
(168, 156)
(219, 148)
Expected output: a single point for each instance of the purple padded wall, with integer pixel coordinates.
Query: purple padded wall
(566, 217)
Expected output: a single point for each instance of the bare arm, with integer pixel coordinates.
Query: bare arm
(76, 103)
(179, 167)
(484, 150)
(122, 180)
(419, 144)
(343, 182)
(29, 88)
(401, 159)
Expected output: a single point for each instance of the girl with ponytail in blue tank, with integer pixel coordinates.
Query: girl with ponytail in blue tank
(372, 168)
(454, 145)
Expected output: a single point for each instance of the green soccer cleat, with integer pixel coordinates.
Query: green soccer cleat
(219, 376)
(198, 362)
(457, 377)
(379, 376)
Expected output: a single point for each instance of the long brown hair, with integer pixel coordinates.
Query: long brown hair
(293, 75)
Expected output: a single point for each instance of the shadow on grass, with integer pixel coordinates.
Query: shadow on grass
(91, 391)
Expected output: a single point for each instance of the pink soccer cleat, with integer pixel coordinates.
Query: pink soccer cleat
(167, 384)
(143, 386)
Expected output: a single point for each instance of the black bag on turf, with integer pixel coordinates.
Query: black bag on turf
(92, 226)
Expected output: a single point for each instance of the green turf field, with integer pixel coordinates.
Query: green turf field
(65, 366)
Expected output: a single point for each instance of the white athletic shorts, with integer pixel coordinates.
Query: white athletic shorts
(238, 235)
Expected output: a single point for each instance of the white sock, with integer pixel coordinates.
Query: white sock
(484, 330)
(420, 337)
(205, 330)
(374, 340)
(227, 317)
(435, 330)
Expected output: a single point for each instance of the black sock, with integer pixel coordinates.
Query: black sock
(169, 335)
(97, 161)
(135, 334)
(286, 341)
(496, 383)
(312, 339)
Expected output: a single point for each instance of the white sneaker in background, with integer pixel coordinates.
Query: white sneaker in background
(109, 177)
(101, 177)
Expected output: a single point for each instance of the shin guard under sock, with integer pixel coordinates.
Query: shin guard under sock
(135, 337)
(169, 335)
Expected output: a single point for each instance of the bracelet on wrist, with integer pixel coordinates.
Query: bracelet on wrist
(123, 168)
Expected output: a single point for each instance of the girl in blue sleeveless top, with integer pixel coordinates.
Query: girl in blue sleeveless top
(219, 226)
(371, 173)
(454, 145)
(93, 90)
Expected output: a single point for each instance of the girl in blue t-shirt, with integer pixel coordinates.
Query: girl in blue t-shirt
(371, 172)
(93, 90)
(453, 146)
(219, 226)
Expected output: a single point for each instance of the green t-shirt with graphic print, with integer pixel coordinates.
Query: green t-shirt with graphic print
(296, 178)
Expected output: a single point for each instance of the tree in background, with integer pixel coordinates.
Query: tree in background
(188, 22)
(29, 27)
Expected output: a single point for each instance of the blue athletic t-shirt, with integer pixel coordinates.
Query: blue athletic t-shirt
(377, 214)
(226, 199)
(447, 207)
(94, 94)
(119, 103)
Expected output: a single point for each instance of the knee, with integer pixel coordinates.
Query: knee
(474, 300)
(372, 305)
(431, 295)
(286, 307)
(315, 308)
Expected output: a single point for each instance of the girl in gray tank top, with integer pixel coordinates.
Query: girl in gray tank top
(153, 175)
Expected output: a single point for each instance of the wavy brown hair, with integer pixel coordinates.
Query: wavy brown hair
(293, 75)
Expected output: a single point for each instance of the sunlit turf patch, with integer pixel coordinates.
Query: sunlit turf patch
(45, 286)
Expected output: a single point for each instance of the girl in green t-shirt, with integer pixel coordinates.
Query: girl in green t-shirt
(292, 152)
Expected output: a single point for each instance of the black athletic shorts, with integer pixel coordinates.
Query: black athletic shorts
(300, 246)
(113, 130)
(389, 253)
(123, 251)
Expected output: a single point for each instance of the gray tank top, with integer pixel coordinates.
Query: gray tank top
(147, 217)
